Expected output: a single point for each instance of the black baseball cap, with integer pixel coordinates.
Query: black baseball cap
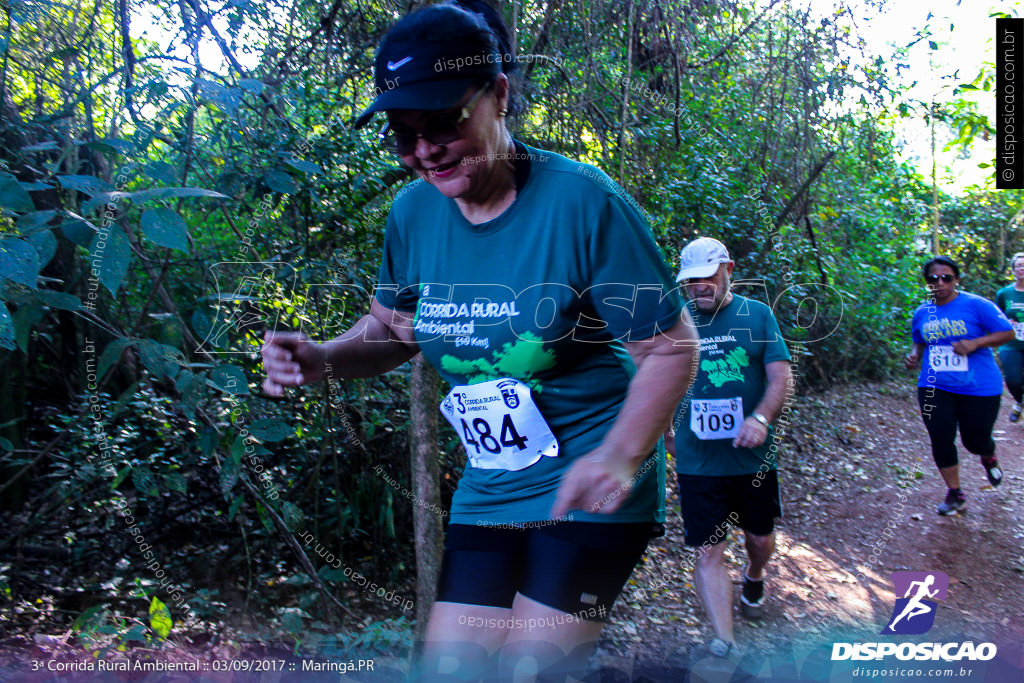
(431, 74)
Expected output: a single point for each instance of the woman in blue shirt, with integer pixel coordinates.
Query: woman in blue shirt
(959, 384)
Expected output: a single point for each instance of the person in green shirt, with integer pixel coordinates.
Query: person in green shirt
(536, 289)
(1010, 300)
(722, 437)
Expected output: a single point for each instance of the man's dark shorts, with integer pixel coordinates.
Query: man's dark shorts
(711, 504)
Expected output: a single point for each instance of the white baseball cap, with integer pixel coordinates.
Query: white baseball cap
(701, 257)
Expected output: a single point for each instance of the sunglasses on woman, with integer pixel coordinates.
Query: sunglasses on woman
(945, 277)
(440, 130)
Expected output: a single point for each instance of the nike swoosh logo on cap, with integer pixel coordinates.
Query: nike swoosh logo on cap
(395, 65)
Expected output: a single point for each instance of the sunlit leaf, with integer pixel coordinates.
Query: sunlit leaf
(160, 618)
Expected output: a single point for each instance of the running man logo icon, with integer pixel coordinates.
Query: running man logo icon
(914, 613)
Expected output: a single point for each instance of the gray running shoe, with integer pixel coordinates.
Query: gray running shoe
(721, 648)
(954, 503)
(1015, 412)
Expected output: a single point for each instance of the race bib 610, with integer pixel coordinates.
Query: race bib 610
(499, 424)
(944, 359)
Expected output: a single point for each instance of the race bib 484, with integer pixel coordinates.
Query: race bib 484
(499, 424)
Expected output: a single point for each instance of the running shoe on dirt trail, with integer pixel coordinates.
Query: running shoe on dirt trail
(992, 470)
(955, 502)
(752, 598)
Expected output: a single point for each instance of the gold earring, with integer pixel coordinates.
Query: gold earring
(504, 111)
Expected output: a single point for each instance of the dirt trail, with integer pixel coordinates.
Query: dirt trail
(852, 454)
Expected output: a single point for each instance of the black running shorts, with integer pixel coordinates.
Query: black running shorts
(575, 567)
(711, 504)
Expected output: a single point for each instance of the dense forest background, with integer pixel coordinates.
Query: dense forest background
(178, 176)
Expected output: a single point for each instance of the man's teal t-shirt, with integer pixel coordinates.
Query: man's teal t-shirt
(735, 344)
(1011, 302)
(545, 293)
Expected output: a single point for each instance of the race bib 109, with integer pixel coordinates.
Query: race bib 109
(944, 359)
(499, 424)
(716, 418)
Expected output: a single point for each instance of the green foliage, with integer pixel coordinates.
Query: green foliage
(981, 230)
(165, 228)
(376, 637)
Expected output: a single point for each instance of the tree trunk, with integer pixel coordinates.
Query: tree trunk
(624, 106)
(426, 486)
(935, 188)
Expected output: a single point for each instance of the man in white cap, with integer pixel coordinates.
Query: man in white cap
(721, 435)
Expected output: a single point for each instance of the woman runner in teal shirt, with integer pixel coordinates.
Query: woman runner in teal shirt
(535, 287)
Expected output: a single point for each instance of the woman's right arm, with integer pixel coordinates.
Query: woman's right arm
(378, 342)
(913, 357)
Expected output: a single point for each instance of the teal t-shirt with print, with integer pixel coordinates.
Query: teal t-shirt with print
(545, 293)
(735, 344)
(1011, 302)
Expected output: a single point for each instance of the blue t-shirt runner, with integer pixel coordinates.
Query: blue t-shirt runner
(967, 316)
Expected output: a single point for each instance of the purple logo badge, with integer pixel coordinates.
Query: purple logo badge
(914, 613)
(508, 393)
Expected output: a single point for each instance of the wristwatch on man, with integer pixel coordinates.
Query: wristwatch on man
(761, 418)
